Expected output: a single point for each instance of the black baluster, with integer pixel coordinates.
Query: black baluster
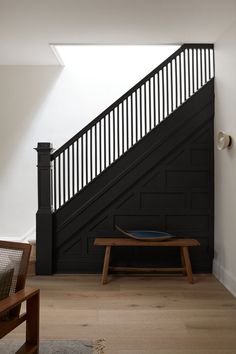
(109, 138)
(78, 170)
(189, 84)
(209, 64)
(185, 82)
(167, 91)
(59, 179)
(201, 66)
(197, 69)
(163, 95)
(141, 115)
(68, 171)
(176, 84)
(82, 161)
(114, 136)
(123, 127)
(154, 100)
(118, 131)
(180, 81)
(171, 86)
(64, 177)
(132, 117)
(86, 157)
(55, 183)
(150, 106)
(145, 108)
(100, 145)
(159, 99)
(105, 143)
(213, 58)
(91, 154)
(127, 122)
(95, 150)
(73, 169)
(193, 81)
(136, 114)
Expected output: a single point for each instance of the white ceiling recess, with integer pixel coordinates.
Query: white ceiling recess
(27, 27)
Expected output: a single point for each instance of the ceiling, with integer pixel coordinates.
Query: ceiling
(27, 27)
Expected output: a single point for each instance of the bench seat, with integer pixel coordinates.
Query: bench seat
(182, 243)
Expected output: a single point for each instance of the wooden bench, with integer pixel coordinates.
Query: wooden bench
(183, 244)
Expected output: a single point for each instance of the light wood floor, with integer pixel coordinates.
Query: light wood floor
(139, 315)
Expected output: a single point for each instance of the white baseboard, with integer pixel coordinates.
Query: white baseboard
(10, 238)
(30, 235)
(225, 277)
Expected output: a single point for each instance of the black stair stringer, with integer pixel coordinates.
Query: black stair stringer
(75, 223)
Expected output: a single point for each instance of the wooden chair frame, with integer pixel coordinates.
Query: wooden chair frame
(13, 302)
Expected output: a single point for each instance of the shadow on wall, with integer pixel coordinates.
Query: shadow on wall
(23, 90)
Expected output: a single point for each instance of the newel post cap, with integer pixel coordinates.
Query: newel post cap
(44, 147)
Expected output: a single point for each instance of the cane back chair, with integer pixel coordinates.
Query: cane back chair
(14, 261)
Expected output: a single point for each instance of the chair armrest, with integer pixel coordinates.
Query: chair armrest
(16, 299)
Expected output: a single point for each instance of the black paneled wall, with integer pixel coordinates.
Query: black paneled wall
(165, 182)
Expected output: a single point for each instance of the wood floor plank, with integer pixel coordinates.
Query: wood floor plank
(138, 315)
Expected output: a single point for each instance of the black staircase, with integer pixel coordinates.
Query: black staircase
(145, 162)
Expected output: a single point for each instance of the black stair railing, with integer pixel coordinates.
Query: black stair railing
(129, 119)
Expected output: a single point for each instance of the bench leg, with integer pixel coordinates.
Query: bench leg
(182, 260)
(187, 263)
(106, 264)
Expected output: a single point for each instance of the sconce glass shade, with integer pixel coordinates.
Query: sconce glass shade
(223, 141)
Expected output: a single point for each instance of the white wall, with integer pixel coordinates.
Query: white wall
(225, 161)
(24, 93)
(51, 104)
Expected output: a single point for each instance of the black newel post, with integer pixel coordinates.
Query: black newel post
(44, 229)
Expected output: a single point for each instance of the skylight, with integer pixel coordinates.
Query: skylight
(74, 55)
